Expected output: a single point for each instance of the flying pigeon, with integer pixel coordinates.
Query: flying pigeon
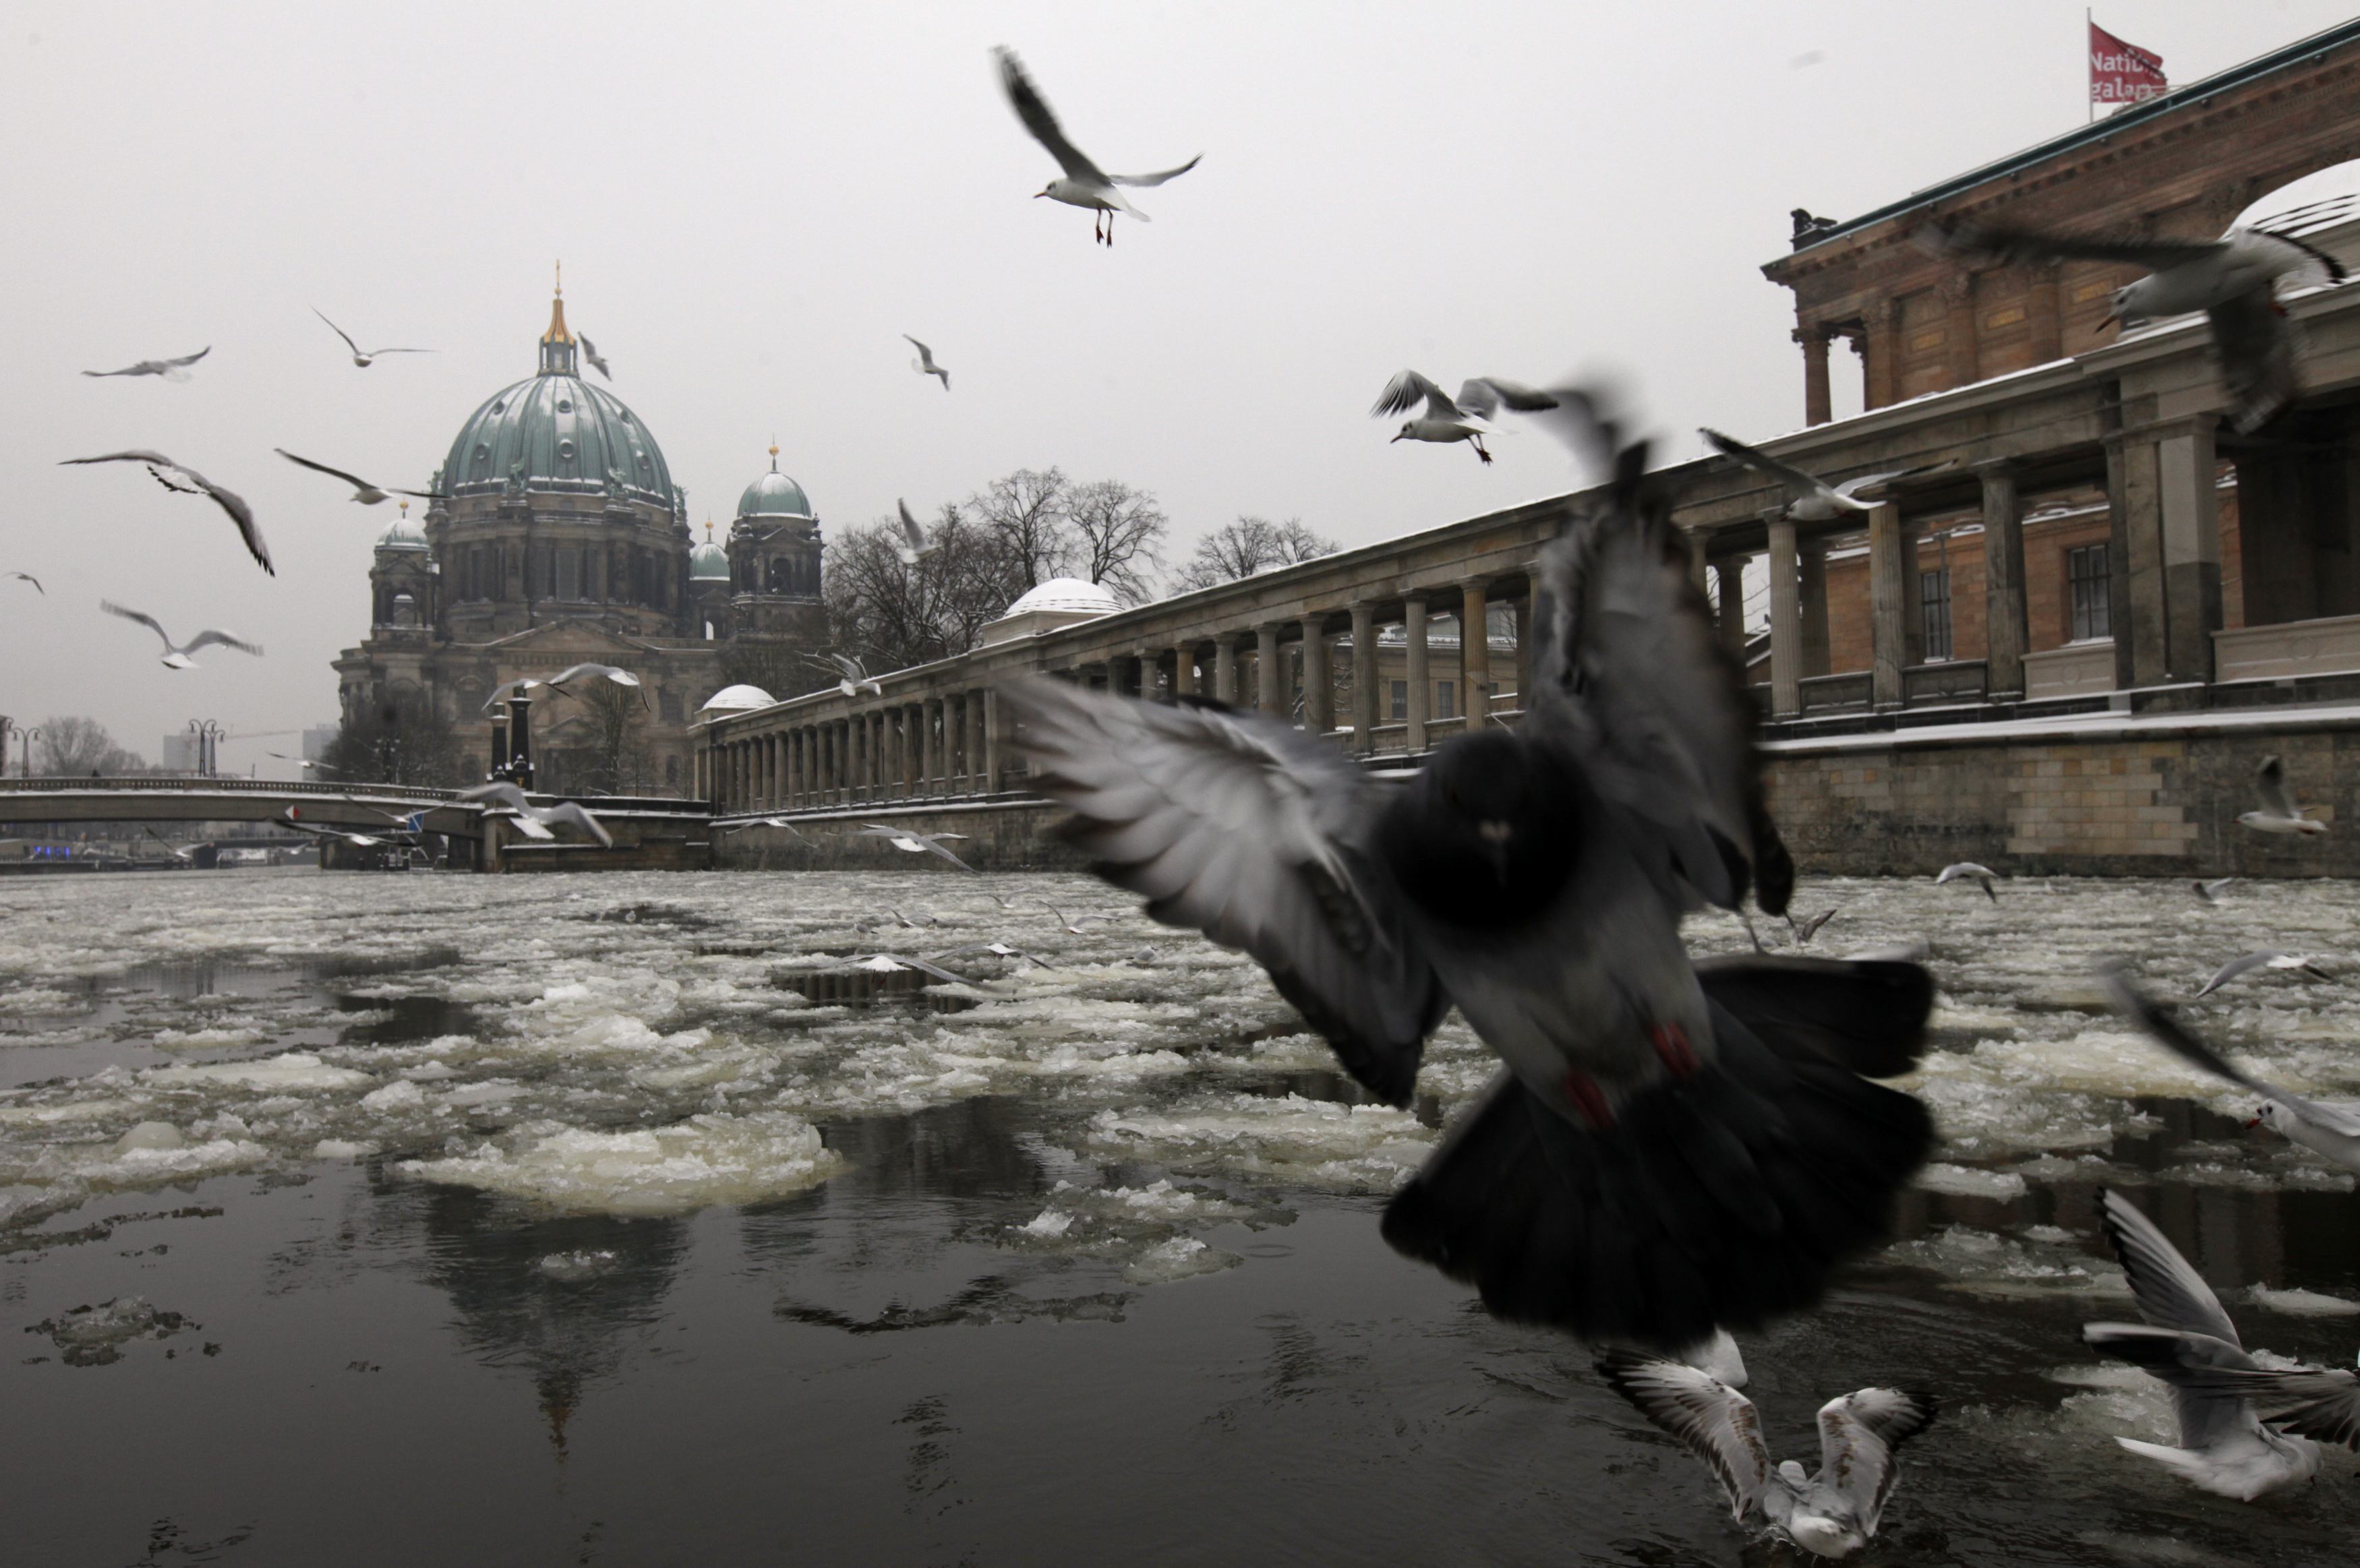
(1811, 499)
(1673, 1148)
(176, 655)
(2233, 279)
(239, 512)
(366, 494)
(170, 369)
(1083, 184)
(2222, 1448)
(364, 357)
(2278, 812)
(924, 364)
(1831, 1514)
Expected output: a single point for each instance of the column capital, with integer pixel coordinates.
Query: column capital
(1997, 467)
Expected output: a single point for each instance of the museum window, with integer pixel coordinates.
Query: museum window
(1934, 614)
(2088, 594)
(1401, 700)
(1445, 699)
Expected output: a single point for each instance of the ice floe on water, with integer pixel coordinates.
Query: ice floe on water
(711, 1159)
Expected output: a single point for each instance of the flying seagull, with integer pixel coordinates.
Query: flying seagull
(523, 686)
(2210, 891)
(763, 822)
(2266, 959)
(2233, 279)
(914, 542)
(590, 352)
(2278, 812)
(1072, 924)
(924, 364)
(915, 843)
(362, 358)
(2324, 1128)
(1806, 929)
(2222, 1448)
(534, 822)
(170, 369)
(591, 671)
(1831, 1514)
(2321, 1405)
(349, 836)
(1446, 418)
(887, 963)
(1967, 870)
(239, 512)
(28, 577)
(304, 763)
(1811, 499)
(998, 949)
(366, 494)
(176, 656)
(1083, 184)
(855, 676)
(1664, 1136)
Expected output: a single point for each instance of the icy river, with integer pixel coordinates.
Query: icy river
(368, 1219)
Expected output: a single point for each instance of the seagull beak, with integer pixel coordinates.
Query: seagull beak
(2109, 320)
(1038, 194)
(1391, 442)
(2253, 1122)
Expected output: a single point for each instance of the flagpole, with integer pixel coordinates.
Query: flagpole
(2089, 80)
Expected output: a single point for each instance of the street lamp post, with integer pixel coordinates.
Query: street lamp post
(208, 732)
(28, 738)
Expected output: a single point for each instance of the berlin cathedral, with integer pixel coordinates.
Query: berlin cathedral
(559, 537)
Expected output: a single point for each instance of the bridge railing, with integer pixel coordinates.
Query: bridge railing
(180, 786)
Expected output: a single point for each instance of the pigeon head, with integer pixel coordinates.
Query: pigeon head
(1485, 835)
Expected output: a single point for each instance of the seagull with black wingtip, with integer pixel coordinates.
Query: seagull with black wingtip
(1083, 184)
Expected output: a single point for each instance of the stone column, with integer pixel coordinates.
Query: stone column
(1319, 685)
(1527, 629)
(1364, 678)
(991, 723)
(2142, 618)
(1887, 628)
(2007, 628)
(1882, 354)
(1785, 619)
(1270, 675)
(1474, 656)
(929, 760)
(1421, 692)
(1728, 576)
(975, 747)
(1819, 405)
(1699, 560)
(1184, 670)
(1225, 670)
(1816, 658)
(2186, 460)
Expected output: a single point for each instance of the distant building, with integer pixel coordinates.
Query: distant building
(181, 753)
(316, 741)
(560, 537)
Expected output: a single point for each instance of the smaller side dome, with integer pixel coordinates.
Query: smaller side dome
(737, 700)
(1066, 595)
(774, 495)
(708, 562)
(402, 534)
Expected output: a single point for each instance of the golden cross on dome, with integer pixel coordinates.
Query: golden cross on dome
(561, 279)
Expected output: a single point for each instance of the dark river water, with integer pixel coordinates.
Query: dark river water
(623, 1220)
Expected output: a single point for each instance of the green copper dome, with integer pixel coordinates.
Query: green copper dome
(402, 534)
(556, 432)
(708, 562)
(774, 495)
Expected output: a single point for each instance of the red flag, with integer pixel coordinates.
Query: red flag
(2121, 72)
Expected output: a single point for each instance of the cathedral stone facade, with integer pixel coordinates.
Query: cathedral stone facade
(559, 537)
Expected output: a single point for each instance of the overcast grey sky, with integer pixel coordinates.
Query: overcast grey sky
(754, 202)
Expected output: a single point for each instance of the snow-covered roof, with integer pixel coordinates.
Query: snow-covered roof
(736, 699)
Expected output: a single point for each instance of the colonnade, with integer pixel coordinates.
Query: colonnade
(931, 747)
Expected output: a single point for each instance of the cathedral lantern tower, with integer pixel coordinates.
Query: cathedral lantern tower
(774, 562)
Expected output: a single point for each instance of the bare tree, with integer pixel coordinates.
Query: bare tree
(1118, 532)
(1249, 546)
(894, 614)
(615, 760)
(76, 747)
(1025, 518)
(396, 740)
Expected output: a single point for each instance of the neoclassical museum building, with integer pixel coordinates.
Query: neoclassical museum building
(559, 537)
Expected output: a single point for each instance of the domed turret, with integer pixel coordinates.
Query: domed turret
(1060, 601)
(774, 562)
(708, 562)
(737, 700)
(402, 534)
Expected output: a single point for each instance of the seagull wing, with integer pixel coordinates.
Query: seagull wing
(2233, 968)
(1140, 179)
(150, 622)
(2186, 1362)
(1478, 397)
(1858, 1434)
(2002, 244)
(911, 533)
(1859, 485)
(927, 840)
(1709, 1417)
(1632, 680)
(2170, 1292)
(157, 458)
(1033, 110)
(924, 352)
(242, 515)
(192, 358)
(1797, 482)
(2182, 1041)
(355, 480)
(375, 351)
(1258, 836)
(2256, 353)
(28, 577)
(501, 792)
(573, 814)
(2321, 1405)
(210, 638)
(338, 330)
(1403, 391)
(2270, 785)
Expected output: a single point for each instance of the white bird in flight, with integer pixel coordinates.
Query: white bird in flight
(1446, 418)
(1831, 1514)
(1083, 184)
(228, 501)
(1967, 870)
(366, 494)
(2278, 812)
(915, 843)
(535, 822)
(170, 369)
(28, 577)
(855, 676)
(793, 830)
(914, 542)
(176, 656)
(1810, 498)
(590, 352)
(349, 836)
(2266, 959)
(2223, 1447)
(924, 364)
(361, 356)
(1071, 924)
